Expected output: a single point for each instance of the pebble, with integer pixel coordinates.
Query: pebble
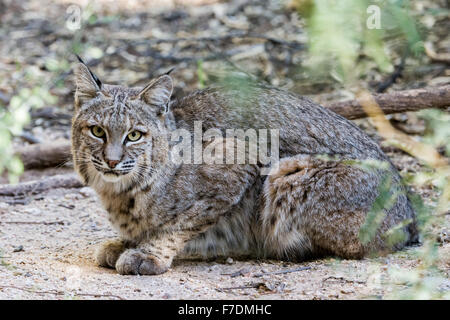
(72, 196)
(34, 211)
(87, 192)
(230, 260)
(4, 205)
(166, 296)
(18, 248)
(347, 291)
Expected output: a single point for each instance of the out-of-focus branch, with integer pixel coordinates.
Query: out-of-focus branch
(38, 186)
(45, 155)
(423, 152)
(396, 102)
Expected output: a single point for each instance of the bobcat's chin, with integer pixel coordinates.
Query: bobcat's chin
(111, 177)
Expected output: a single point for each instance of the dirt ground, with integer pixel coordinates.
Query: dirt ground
(47, 244)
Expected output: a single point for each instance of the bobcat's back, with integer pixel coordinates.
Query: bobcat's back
(305, 127)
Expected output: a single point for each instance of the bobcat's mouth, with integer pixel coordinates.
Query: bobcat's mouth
(112, 172)
(112, 175)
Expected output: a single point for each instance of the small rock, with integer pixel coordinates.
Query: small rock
(18, 248)
(34, 211)
(28, 274)
(4, 205)
(72, 196)
(229, 260)
(347, 291)
(87, 192)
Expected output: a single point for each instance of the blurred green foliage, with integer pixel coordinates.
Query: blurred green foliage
(341, 42)
(16, 115)
(201, 74)
(438, 128)
(340, 45)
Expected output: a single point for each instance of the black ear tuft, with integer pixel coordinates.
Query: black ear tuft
(170, 71)
(96, 79)
(79, 59)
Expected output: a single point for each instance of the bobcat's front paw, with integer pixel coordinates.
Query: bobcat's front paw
(108, 252)
(134, 261)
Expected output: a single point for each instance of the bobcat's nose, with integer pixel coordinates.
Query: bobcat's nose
(112, 163)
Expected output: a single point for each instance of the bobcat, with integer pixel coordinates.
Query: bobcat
(308, 206)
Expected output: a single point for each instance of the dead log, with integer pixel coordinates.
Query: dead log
(397, 102)
(45, 155)
(38, 186)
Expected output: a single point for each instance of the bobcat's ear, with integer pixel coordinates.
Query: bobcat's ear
(88, 85)
(158, 91)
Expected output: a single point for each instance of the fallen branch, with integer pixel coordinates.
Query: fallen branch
(62, 293)
(45, 155)
(33, 222)
(14, 201)
(34, 187)
(383, 86)
(251, 286)
(396, 102)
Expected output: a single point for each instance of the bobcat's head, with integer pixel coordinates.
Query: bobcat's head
(119, 138)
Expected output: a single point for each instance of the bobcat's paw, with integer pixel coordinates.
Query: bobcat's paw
(108, 252)
(134, 261)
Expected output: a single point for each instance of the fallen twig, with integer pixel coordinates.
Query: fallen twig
(342, 279)
(34, 187)
(251, 286)
(33, 222)
(396, 102)
(28, 137)
(14, 201)
(45, 155)
(281, 272)
(241, 272)
(62, 293)
(383, 86)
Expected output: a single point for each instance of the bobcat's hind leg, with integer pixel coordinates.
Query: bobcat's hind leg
(108, 252)
(315, 207)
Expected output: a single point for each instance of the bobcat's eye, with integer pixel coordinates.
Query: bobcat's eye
(98, 132)
(134, 136)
